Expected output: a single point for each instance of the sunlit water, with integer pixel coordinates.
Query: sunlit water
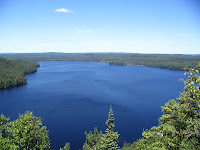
(74, 97)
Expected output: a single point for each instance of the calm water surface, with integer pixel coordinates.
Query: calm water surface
(74, 97)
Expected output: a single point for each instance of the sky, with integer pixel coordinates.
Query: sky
(78, 26)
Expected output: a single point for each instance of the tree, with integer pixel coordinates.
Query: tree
(3, 123)
(66, 147)
(100, 141)
(26, 132)
(92, 140)
(110, 139)
(179, 126)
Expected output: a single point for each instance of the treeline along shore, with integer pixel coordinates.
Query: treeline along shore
(165, 61)
(14, 66)
(12, 72)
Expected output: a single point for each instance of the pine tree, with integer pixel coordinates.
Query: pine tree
(66, 147)
(110, 121)
(92, 140)
(110, 139)
(100, 141)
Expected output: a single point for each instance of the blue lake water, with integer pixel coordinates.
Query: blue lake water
(74, 97)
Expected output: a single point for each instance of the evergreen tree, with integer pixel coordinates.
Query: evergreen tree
(110, 122)
(110, 139)
(100, 141)
(66, 147)
(92, 140)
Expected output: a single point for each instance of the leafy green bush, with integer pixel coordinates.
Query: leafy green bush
(26, 132)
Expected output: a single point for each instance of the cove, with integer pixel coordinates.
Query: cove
(74, 97)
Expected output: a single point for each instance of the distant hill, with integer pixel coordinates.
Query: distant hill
(165, 61)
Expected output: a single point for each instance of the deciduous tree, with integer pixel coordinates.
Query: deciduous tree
(26, 132)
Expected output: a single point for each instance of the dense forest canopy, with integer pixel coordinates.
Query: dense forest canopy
(166, 61)
(12, 72)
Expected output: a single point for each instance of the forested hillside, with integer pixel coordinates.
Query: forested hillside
(12, 72)
(166, 61)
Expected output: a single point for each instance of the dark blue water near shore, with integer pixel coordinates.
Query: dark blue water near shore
(74, 97)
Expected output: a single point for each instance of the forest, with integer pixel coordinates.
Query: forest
(165, 61)
(12, 72)
(178, 128)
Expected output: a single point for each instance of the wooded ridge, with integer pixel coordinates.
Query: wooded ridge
(12, 72)
(165, 61)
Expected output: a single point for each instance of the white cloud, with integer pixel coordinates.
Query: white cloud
(183, 34)
(64, 10)
(84, 30)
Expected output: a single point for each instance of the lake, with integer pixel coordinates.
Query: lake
(74, 97)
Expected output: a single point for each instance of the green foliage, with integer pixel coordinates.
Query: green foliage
(179, 126)
(26, 132)
(110, 122)
(92, 140)
(110, 139)
(12, 72)
(66, 147)
(3, 121)
(100, 141)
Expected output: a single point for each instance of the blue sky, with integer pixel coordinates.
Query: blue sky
(71, 26)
